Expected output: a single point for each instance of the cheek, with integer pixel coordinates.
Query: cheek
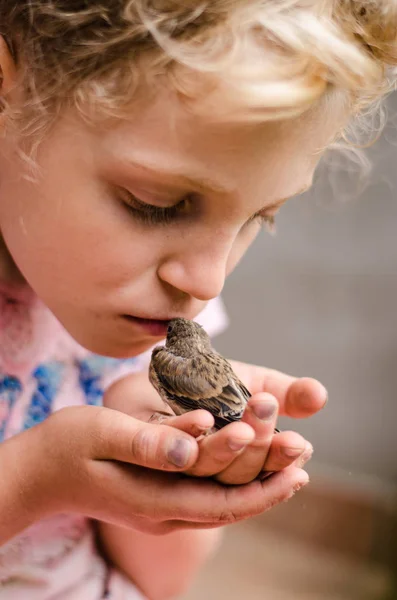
(243, 241)
(71, 237)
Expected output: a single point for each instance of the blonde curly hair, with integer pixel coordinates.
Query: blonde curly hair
(248, 60)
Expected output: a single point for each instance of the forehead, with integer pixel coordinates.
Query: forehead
(165, 137)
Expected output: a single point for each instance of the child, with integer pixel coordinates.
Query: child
(143, 144)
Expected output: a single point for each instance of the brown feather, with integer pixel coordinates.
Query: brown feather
(188, 374)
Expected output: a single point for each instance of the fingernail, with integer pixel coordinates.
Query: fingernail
(307, 454)
(203, 430)
(237, 445)
(179, 453)
(292, 452)
(300, 485)
(265, 410)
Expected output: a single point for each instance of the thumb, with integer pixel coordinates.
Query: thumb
(117, 436)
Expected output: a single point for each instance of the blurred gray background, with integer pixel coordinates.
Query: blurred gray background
(320, 300)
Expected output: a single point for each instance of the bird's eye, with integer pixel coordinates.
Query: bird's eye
(169, 328)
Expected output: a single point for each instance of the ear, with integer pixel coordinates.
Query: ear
(7, 68)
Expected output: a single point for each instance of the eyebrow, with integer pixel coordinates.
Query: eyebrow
(206, 184)
(198, 182)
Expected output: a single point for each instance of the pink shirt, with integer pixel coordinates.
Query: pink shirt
(43, 369)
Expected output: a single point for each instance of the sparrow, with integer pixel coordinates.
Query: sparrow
(189, 375)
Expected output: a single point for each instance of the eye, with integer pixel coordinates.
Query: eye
(169, 329)
(153, 214)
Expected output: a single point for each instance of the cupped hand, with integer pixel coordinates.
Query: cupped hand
(110, 466)
(239, 452)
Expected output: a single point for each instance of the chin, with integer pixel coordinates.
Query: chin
(116, 349)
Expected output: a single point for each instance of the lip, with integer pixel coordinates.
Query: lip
(152, 327)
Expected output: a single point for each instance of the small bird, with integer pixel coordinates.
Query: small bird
(188, 374)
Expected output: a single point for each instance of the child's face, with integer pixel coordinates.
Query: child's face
(97, 264)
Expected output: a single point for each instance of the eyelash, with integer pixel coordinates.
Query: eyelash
(163, 215)
(268, 222)
(150, 214)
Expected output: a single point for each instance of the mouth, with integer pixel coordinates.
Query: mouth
(152, 327)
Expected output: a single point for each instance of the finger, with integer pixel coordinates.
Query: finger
(195, 423)
(219, 449)
(306, 456)
(297, 398)
(304, 398)
(112, 435)
(261, 415)
(204, 501)
(287, 447)
(135, 492)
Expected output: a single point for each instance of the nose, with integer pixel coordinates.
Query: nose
(199, 272)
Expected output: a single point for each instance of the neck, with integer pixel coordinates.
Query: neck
(181, 347)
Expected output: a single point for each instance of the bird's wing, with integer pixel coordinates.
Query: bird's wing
(201, 382)
(197, 377)
(229, 405)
